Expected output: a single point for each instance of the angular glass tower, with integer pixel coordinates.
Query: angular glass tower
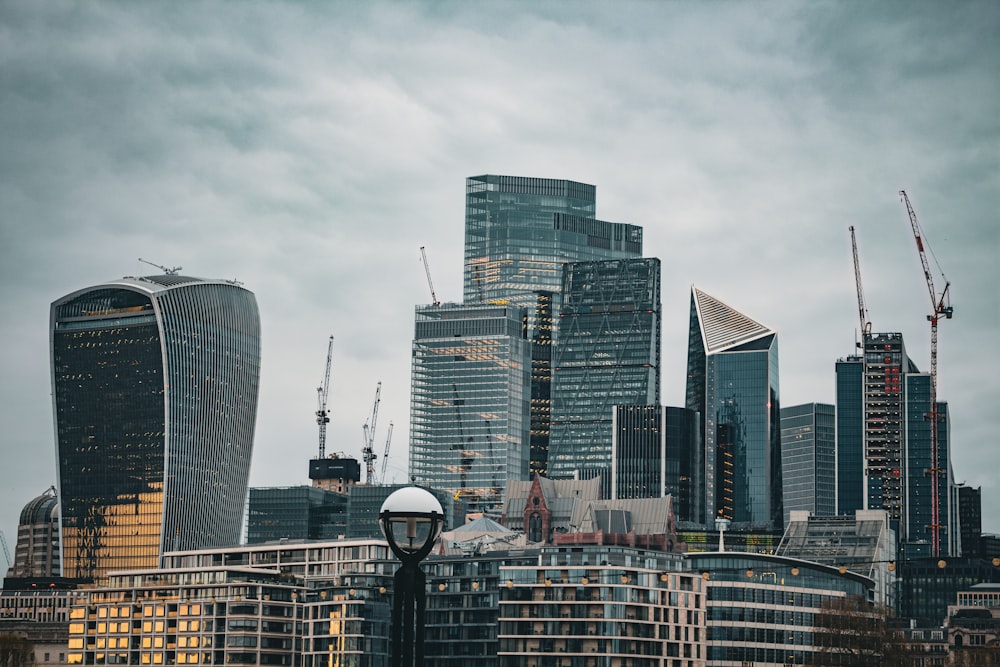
(519, 231)
(608, 354)
(154, 384)
(808, 454)
(470, 378)
(733, 382)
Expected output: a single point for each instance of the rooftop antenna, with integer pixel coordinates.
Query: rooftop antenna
(166, 271)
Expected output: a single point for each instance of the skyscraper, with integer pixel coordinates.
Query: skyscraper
(732, 381)
(154, 384)
(808, 456)
(469, 400)
(850, 435)
(519, 231)
(653, 449)
(607, 354)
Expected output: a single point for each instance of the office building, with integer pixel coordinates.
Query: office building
(36, 554)
(850, 435)
(863, 543)
(970, 520)
(808, 459)
(295, 513)
(732, 381)
(917, 516)
(654, 449)
(470, 384)
(364, 502)
(154, 384)
(607, 354)
(519, 231)
(768, 610)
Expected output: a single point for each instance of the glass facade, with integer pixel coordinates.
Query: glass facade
(918, 515)
(469, 401)
(850, 435)
(639, 465)
(607, 354)
(297, 513)
(808, 459)
(155, 385)
(733, 383)
(519, 231)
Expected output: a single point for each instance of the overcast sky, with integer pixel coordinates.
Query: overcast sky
(310, 149)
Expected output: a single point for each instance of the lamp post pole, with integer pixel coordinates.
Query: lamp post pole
(411, 520)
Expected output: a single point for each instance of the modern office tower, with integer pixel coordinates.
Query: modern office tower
(608, 354)
(365, 502)
(732, 381)
(295, 513)
(36, 553)
(917, 517)
(518, 233)
(653, 451)
(469, 401)
(154, 384)
(850, 435)
(970, 519)
(808, 459)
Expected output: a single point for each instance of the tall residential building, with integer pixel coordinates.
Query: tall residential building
(469, 419)
(850, 435)
(519, 231)
(608, 354)
(732, 381)
(154, 384)
(808, 459)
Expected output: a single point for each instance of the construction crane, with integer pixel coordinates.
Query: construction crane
(427, 270)
(166, 271)
(385, 454)
(940, 305)
(6, 552)
(866, 325)
(322, 393)
(368, 449)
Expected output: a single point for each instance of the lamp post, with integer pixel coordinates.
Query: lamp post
(411, 520)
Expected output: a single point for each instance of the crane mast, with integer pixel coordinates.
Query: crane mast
(866, 325)
(427, 270)
(385, 454)
(368, 450)
(322, 392)
(939, 306)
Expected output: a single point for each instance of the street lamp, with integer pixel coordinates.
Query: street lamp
(411, 520)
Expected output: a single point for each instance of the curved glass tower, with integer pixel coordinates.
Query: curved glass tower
(154, 384)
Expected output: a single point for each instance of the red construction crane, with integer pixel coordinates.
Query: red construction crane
(322, 392)
(866, 325)
(940, 305)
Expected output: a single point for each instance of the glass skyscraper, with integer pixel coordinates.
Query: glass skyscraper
(470, 381)
(918, 517)
(808, 455)
(850, 435)
(732, 381)
(607, 354)
(154, 384)
(519, 231)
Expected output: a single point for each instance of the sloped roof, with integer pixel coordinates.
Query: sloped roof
(480, 525)
(722, 326)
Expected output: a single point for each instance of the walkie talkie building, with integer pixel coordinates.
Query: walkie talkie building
(154, 385)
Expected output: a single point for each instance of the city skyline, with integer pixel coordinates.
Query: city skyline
(310, 151)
